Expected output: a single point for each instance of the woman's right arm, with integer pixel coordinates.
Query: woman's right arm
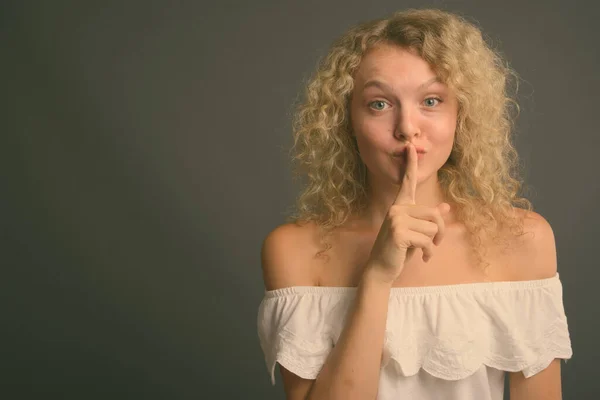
(352, 368)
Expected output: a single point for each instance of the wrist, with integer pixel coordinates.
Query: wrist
(374, 275)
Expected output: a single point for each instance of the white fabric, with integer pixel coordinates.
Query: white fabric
(451, 342)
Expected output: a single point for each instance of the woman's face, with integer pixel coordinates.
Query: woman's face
(396, 100)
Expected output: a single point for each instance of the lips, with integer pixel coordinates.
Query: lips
(402, 152)
(402, 158)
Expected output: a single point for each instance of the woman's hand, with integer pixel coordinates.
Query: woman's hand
(407, 226)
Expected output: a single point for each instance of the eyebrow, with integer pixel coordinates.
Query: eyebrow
(385, 86)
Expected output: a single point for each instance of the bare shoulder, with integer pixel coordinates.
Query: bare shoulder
(286, 256)
(536, 254)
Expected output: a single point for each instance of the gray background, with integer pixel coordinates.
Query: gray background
(144, 161)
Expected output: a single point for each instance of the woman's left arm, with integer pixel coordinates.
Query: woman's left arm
(545, 385)
(538, 258)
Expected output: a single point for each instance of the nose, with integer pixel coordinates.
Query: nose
(406, 124)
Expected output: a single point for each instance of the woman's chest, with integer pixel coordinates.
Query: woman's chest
(454, 261)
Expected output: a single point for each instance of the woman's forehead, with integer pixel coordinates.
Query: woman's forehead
(394, 70)
(391, 58)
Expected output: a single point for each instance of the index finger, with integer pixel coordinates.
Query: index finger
(406, 194)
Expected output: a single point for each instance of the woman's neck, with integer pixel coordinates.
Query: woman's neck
(381, 195)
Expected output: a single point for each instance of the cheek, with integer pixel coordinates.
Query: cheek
(371, 146)
(375, 132)
(374, 149)
(443, 143)
(443, 130)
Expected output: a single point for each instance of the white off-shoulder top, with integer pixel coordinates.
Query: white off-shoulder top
(451, 342)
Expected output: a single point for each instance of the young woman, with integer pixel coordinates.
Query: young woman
(412, 268)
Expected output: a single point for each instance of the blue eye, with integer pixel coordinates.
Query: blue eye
(431, 101)
(381, 102)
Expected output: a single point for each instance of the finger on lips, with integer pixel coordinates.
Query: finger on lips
(408, 189)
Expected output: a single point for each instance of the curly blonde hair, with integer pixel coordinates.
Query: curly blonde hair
(481, 176)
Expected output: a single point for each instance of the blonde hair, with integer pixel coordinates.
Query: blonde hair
(480, 178)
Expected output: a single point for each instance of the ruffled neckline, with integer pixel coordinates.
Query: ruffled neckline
(412, 290)
(450, 331)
